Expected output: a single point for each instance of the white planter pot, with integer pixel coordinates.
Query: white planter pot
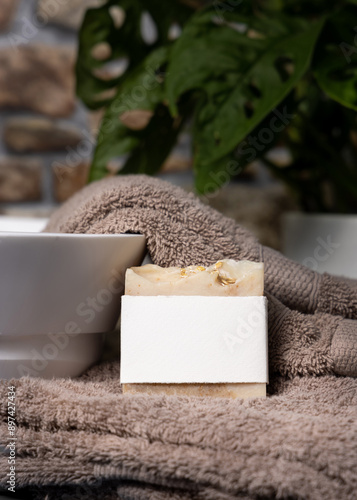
(322, 242)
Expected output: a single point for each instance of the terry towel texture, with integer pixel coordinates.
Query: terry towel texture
(181, 231)
(83, 439)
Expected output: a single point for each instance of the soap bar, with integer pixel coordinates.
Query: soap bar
(225, 278)
(242, 391)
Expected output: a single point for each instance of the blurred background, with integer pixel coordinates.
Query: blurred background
(47, 135)
(74, 106)
(42, 123)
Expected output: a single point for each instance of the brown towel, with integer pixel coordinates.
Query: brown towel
(181, 231)
(83, 439)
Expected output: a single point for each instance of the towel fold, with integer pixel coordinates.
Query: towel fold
(83, 439)
(180, 231)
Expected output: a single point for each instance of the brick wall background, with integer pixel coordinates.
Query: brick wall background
(43, 127)
(46, 134)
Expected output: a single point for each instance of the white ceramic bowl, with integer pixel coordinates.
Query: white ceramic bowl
(58, 294)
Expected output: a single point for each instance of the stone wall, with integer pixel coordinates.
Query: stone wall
(46, 135)
(46, 139)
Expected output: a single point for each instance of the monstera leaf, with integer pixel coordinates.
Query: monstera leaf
(253, 147)
(215, 49)
(200, 58)
(335, 66)
(112, 35)
(240, 86)
(234, 68)
(138, 98)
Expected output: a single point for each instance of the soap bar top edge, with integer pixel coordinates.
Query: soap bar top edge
(227, 277)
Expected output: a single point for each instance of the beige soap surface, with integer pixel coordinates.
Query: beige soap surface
(225, 278)
(241, 391)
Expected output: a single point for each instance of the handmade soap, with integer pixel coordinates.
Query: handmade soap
(242, 391)
(226, 278)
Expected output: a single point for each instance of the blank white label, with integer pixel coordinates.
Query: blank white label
(194, 339)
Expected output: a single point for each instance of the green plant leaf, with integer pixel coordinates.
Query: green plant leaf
(142, 90)
(242, 109)
(155, 143)
(100, 26)
(221, 171)
(212, 49)
(338, 79)
(335, 63)
(223, 121)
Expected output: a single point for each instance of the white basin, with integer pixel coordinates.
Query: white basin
(58, 294)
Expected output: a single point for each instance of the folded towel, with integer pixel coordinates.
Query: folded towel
(82, 439)
(180, 231)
